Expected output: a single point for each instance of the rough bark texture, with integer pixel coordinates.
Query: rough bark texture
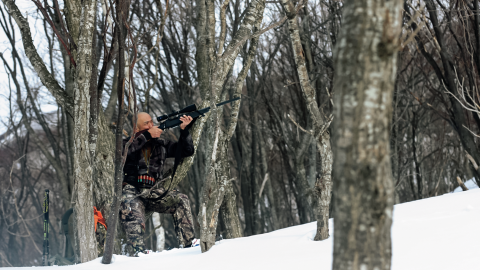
(82, 157)
(365, 70)
(323, 187)
(229, 213)
(103, 190)
(212, 196)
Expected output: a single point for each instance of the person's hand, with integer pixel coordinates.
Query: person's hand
(185, 121)
(155, 132)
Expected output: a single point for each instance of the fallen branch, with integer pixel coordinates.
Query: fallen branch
(460, 182)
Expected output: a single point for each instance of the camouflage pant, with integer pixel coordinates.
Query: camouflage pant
(132, 215)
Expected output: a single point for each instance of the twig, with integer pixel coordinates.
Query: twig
(4, 258)
(159, 34)
(263, 185)
(478, 136)
(60, 38)
(240, 42)
(472, 160)
(300, 127)
(153, 231)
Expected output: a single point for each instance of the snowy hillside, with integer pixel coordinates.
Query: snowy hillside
(437, 233)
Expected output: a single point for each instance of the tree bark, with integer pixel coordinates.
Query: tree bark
(365, 70)
(229, 213)
(323, 188)
(104, 187)
(82, 159)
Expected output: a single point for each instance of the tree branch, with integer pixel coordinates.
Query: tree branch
(62, 98)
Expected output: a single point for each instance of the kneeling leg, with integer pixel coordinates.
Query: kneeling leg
(132, 216)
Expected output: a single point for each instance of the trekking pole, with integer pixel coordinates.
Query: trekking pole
(45, 228)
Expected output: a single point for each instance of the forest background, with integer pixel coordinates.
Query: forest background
(272, 160)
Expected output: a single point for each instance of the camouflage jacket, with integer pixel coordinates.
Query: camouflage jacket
(146, 155)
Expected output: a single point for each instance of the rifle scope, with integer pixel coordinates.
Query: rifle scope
(190, 108)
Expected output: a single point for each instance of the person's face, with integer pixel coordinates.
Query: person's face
(144, 122)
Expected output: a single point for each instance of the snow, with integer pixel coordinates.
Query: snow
(438, 233)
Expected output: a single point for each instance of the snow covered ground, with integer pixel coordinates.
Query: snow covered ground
(440, 233)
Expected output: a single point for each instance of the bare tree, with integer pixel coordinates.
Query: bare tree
(321, 122)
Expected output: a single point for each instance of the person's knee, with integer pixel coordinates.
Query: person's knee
(134, 228)
(131, 210)
(183, 199)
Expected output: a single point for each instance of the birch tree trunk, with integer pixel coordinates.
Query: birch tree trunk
(365, 70)
(82, 159)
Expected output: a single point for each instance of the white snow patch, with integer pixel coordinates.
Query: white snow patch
(436, 233)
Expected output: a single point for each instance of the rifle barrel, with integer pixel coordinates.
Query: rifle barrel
(228, 101)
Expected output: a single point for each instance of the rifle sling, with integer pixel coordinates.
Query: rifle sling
(178, 157)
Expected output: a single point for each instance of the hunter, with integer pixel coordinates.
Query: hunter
(143, 170)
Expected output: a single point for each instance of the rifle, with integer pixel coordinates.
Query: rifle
(173, 120)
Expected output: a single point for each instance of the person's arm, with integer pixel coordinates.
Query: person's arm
(138, 143)
(185, 142)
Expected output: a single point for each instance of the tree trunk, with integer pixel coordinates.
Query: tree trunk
(213, 192)
(103, 190)
(82, 160)
(320, 123)
(112, 221)
(365, 71)
(323, 188)
(229, 214)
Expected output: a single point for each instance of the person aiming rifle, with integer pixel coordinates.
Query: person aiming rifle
(143, 184)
